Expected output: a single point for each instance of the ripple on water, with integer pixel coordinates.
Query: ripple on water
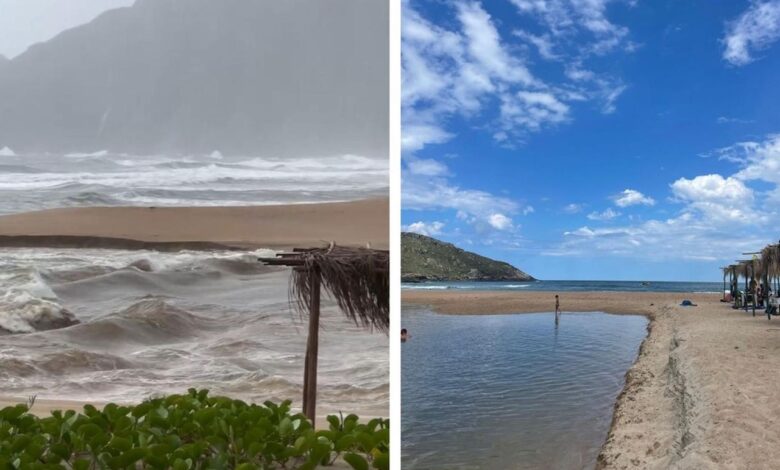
(512, 391)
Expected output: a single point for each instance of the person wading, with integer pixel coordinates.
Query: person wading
(557, 309)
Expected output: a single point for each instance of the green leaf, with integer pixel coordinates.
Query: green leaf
(12, 413)
(356, 461)
(81, 464)
(382, 462)
(345, 442)
(285, 426)
(335, 423)
(128, 458)
(120, 443)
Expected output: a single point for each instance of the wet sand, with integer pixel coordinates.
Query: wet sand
(45, 407)
(175, 228)
(702, 393)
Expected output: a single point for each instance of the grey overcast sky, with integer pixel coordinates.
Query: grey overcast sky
(26, 22)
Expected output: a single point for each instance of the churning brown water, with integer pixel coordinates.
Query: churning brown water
(152, 323)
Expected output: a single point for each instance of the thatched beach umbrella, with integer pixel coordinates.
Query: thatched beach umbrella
(357, 278)
(770, 261)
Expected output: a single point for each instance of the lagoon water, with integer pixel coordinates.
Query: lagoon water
(512, 391)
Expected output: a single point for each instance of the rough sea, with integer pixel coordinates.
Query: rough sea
(151, 322)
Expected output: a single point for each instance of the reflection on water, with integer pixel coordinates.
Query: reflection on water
(512, 391)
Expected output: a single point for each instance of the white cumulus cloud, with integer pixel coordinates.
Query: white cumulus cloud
(607, 214)
(427, 185)
(632, 197)
(425, 228)
(755, 29)
(721, 216)
(464, 67)
(500, 221)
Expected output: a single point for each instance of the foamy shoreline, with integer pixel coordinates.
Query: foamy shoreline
(693, 397)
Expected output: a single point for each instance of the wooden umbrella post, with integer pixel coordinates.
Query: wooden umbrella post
(312, 348)
(754, 283)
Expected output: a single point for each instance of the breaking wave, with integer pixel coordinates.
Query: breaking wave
(28, 304)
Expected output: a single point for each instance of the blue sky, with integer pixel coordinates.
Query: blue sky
(594, 139)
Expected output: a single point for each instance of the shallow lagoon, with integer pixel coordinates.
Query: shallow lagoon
(512, 391)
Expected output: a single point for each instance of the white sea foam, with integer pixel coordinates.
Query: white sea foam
(20, 311)
(26, 300)
(208, 176)
(25, 259)
(98, 154)
(49, 181)
(424, 287)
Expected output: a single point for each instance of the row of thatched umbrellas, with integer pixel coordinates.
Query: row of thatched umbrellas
(763, 269)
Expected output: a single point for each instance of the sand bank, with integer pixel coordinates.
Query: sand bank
(702, 393)
(174, 228)
(44, 407)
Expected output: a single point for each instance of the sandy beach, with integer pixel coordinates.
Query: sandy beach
(173, 228)
(701, 393)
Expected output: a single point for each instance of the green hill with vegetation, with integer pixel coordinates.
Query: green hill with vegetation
(427, 259)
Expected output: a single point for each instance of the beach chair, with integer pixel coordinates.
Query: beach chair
(739, 297)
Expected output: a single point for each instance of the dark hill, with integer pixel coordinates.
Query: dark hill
(425, 258)
(251, 77)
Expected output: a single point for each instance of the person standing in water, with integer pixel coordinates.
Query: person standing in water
(557, 309)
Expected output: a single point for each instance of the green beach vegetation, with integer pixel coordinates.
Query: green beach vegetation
(188, 431)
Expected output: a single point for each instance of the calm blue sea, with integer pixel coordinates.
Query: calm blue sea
(511, 391)
(573, 286)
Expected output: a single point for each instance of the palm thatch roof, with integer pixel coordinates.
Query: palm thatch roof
(730, 270)
(358, 279)
(758, 267)
(770, 260)
(744, 268)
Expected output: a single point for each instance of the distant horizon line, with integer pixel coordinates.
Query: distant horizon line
(573, 280)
